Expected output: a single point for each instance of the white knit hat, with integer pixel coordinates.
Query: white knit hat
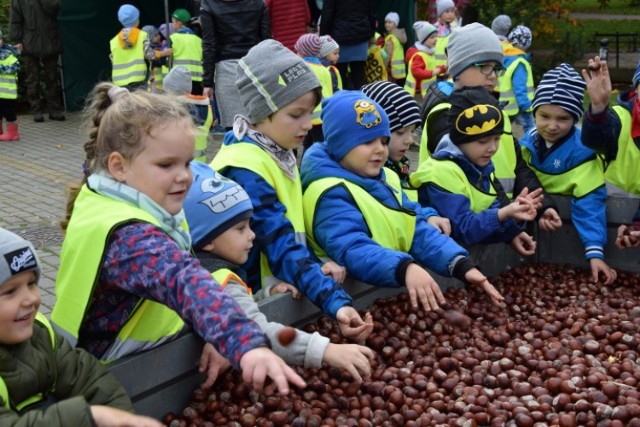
(423, 30)
(393, 17)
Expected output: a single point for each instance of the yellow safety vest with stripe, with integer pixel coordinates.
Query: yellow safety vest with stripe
(249, 156)
(129, 65)
(8, 82)
(187, 51)
(389, 227)
(504, 160)
(440, 50)
(94, 218)
(324, 75)
(579, 181)
(223, 276)
(335, 72)
(4, 392)
(202, 138)
(396, 61)
(622, 176)
(507, 96)
(447, 175)
(411, 82)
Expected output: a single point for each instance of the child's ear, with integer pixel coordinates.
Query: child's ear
(208, 247)
(117, 166)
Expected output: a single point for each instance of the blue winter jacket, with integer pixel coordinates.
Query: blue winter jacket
(519, 81)
(289, 260)
(468, 227)
(340, 229)
(588, 213)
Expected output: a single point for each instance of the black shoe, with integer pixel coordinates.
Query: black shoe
(57, 117)
(38, 117)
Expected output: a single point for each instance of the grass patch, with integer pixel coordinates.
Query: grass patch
(615, 7)
(585, 30)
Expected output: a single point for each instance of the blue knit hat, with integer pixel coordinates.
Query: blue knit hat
(350, 118)
(636, 77)
(213, 204)
(128, 15)
(561, 86)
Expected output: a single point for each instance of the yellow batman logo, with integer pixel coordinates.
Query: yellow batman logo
(478, 119)
(366, 113)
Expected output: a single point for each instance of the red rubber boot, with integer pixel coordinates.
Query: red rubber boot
(12, 133)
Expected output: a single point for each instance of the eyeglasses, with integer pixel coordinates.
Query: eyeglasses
(488, 69)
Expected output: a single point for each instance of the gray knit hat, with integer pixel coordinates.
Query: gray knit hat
(269, 77)
(402, 110)
(443, 5)
(501, 25)
(327, 45)
(178, 81)
(16, 256)
(561, 86)
(472, 44)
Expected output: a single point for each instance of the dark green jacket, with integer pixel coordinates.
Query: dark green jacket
(71, 378)
(34, 23)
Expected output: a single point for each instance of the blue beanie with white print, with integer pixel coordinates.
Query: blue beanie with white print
(213, 204)
(350, 118)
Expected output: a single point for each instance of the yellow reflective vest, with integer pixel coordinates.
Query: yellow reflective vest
(396, 59)
(447, 175)
(507, 95)
(391, 228)
(324, 75)
(8, 82)
(440, 50)
(94, 218)
(623, 174)
(187, 51)
(411, 82)
(202, 138)
(128, 65)
(249, 156)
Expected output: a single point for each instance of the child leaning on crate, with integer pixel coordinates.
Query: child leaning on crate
(43, 380)
(219, 212)
(357, 214)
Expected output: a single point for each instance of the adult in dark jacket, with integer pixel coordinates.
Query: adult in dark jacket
(289, 20)
(33, 28)
(229, 29)
(352, 24)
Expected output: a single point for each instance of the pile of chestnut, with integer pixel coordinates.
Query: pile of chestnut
(561, 351)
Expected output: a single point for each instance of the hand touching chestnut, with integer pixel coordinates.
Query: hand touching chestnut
(259, 363)
(628, 237)
(422, 288)
(524, 208)
(550, 220)
(524, 244)
(598, 266)
(476, 278)
(354, 358)
(357, 332)
(213, 363)
(106, 416)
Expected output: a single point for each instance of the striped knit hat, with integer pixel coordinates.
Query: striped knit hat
(561, 86)
(327, 45)
(402, 110)
(308, 45)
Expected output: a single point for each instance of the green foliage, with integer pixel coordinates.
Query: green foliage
(5, 5)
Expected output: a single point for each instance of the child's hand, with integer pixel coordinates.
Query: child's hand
(260, 363)
(283, 288)
(421, 286)
(628, 237)
(441, 69)
(598, 84)
(599, 266)
(550, 220)
(441, 223)
(535, 197)
(352, 357)
(476, 278)
(213, 363)
(338, 272)
(361, 329)
(523, 244)
(106, 416)
(524, 208)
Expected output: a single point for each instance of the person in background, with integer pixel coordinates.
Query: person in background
(178, 82)
(222, 239)
(352, 24)
(186, 48)
(357, 214)
(422, 68)
(289, 20)
(229, 30)
(156, 74)
(374, 68)
(329, 55)
(554, 151)
(280, 93)
(394, 40)
(33, 28)
(516, 86)
(43, 380)
(500, 26)
(446, 23)
(614, 132)
(9, 67)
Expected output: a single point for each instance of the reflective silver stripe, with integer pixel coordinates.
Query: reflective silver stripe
(507, 184)
(8, 91)
(72, 340)
(128, 64)
(186, 62)
(7, 79)
(440, 56)
(119, 348)
(397, 62)
(131, 74)
(316, 115)
(615, 191)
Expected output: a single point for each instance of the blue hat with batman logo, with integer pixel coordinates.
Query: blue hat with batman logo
(351, 118)
(474, 114)
(213, 204)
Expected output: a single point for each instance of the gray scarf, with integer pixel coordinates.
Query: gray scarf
(104, 184)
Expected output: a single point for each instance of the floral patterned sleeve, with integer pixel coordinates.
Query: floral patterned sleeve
(143, 260)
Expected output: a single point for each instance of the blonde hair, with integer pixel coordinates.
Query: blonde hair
(118, 120)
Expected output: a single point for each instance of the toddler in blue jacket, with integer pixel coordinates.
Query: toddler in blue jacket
(357, 214)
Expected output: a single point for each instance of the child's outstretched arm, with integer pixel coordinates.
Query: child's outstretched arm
(598, 84)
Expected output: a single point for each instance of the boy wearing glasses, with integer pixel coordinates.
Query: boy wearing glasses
(475, 59)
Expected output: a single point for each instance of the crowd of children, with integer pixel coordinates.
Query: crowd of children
(185, 244)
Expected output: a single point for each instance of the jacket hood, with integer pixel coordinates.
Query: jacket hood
(446, 149)
(511, 50)
(317, 163)
(626, 99)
